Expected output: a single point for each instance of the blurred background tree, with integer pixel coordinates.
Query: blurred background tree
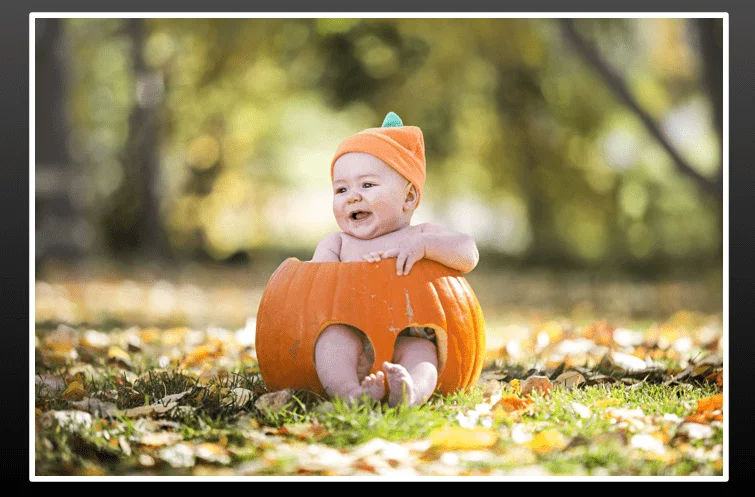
(586, 143)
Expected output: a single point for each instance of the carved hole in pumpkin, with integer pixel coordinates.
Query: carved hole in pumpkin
(362, 336)
(441, 342)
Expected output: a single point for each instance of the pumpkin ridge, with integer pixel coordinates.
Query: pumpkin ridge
(452, 284)
(282, 360)
(480, 331)
(305, 330)
(278, 323)
(452, 337)
(441, 353)
(332, 304)
(470, 311)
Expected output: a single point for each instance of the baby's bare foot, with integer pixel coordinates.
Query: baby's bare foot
(374, 385)
(400, 384)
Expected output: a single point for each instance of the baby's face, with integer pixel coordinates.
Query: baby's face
(369, 197)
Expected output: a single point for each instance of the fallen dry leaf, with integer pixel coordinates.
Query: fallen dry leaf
(547, 441)
(648, 443)
(274, 401)
(124, 445)
(69, 420)
(173, 336)
(178, 456)
(49, 381)
(149, 335)
(118, 353)
(694, 431)
(569, 380)
(458, 438)
(238, 396)
(536, 383)
(704, 418)
(516, 385)
(168, 399)
(304, 431)
(628, 361)
(511, 403)
(140, 411)
(710, 404)
(96, 406)
(581, 410)
(199, 355)
(553, 330)
(75, 391)
(95, 340)
(212, 452)
(600, 332)
(61, 340)
(716, 377)
(608, 402)
(160, 439)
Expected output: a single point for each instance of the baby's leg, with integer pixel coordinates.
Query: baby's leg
(413, 375)
(337, 353)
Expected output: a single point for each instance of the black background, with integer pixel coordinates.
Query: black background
(14, 186)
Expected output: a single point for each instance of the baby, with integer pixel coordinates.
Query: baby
(378, 175)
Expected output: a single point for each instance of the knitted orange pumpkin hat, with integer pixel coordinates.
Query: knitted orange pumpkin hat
(401, 147)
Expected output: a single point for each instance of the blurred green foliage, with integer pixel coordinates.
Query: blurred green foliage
(527, 148)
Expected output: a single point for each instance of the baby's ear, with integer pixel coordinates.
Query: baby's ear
(411, 198)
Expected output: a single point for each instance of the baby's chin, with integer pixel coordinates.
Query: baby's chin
(364, 236)
(364, 233)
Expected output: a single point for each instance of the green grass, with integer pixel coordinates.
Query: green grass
(597, 446)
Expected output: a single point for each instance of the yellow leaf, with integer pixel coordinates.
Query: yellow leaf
(458, 438)
(546, 441)
(173, 336)
(554, 331)
(75, 391)
(516, 385)
(60, 341)
(608, 402)
(149, 335)
(118, 353)
(201, 354)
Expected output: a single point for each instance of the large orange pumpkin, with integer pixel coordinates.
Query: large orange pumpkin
(303, 298)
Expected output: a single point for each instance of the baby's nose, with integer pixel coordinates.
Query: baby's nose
(354, 197)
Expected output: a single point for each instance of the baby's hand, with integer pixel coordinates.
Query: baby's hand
(373, 256)
(406, 254)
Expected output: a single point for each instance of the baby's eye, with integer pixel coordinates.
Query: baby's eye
(367, 185)
(340, 190)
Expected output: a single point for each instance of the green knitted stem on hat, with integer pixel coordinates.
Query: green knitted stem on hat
(392, 121)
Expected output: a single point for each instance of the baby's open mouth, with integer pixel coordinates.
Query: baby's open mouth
(358, 215)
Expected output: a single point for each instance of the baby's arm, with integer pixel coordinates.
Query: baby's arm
(455, 250)
(329, 249)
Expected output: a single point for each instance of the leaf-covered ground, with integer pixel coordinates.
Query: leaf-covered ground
(558, 396)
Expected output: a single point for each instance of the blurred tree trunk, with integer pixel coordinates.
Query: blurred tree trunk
(515, 94)
(61, 229)
(711, 48)
(133, 222)
(617, 85)
(710, 38)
